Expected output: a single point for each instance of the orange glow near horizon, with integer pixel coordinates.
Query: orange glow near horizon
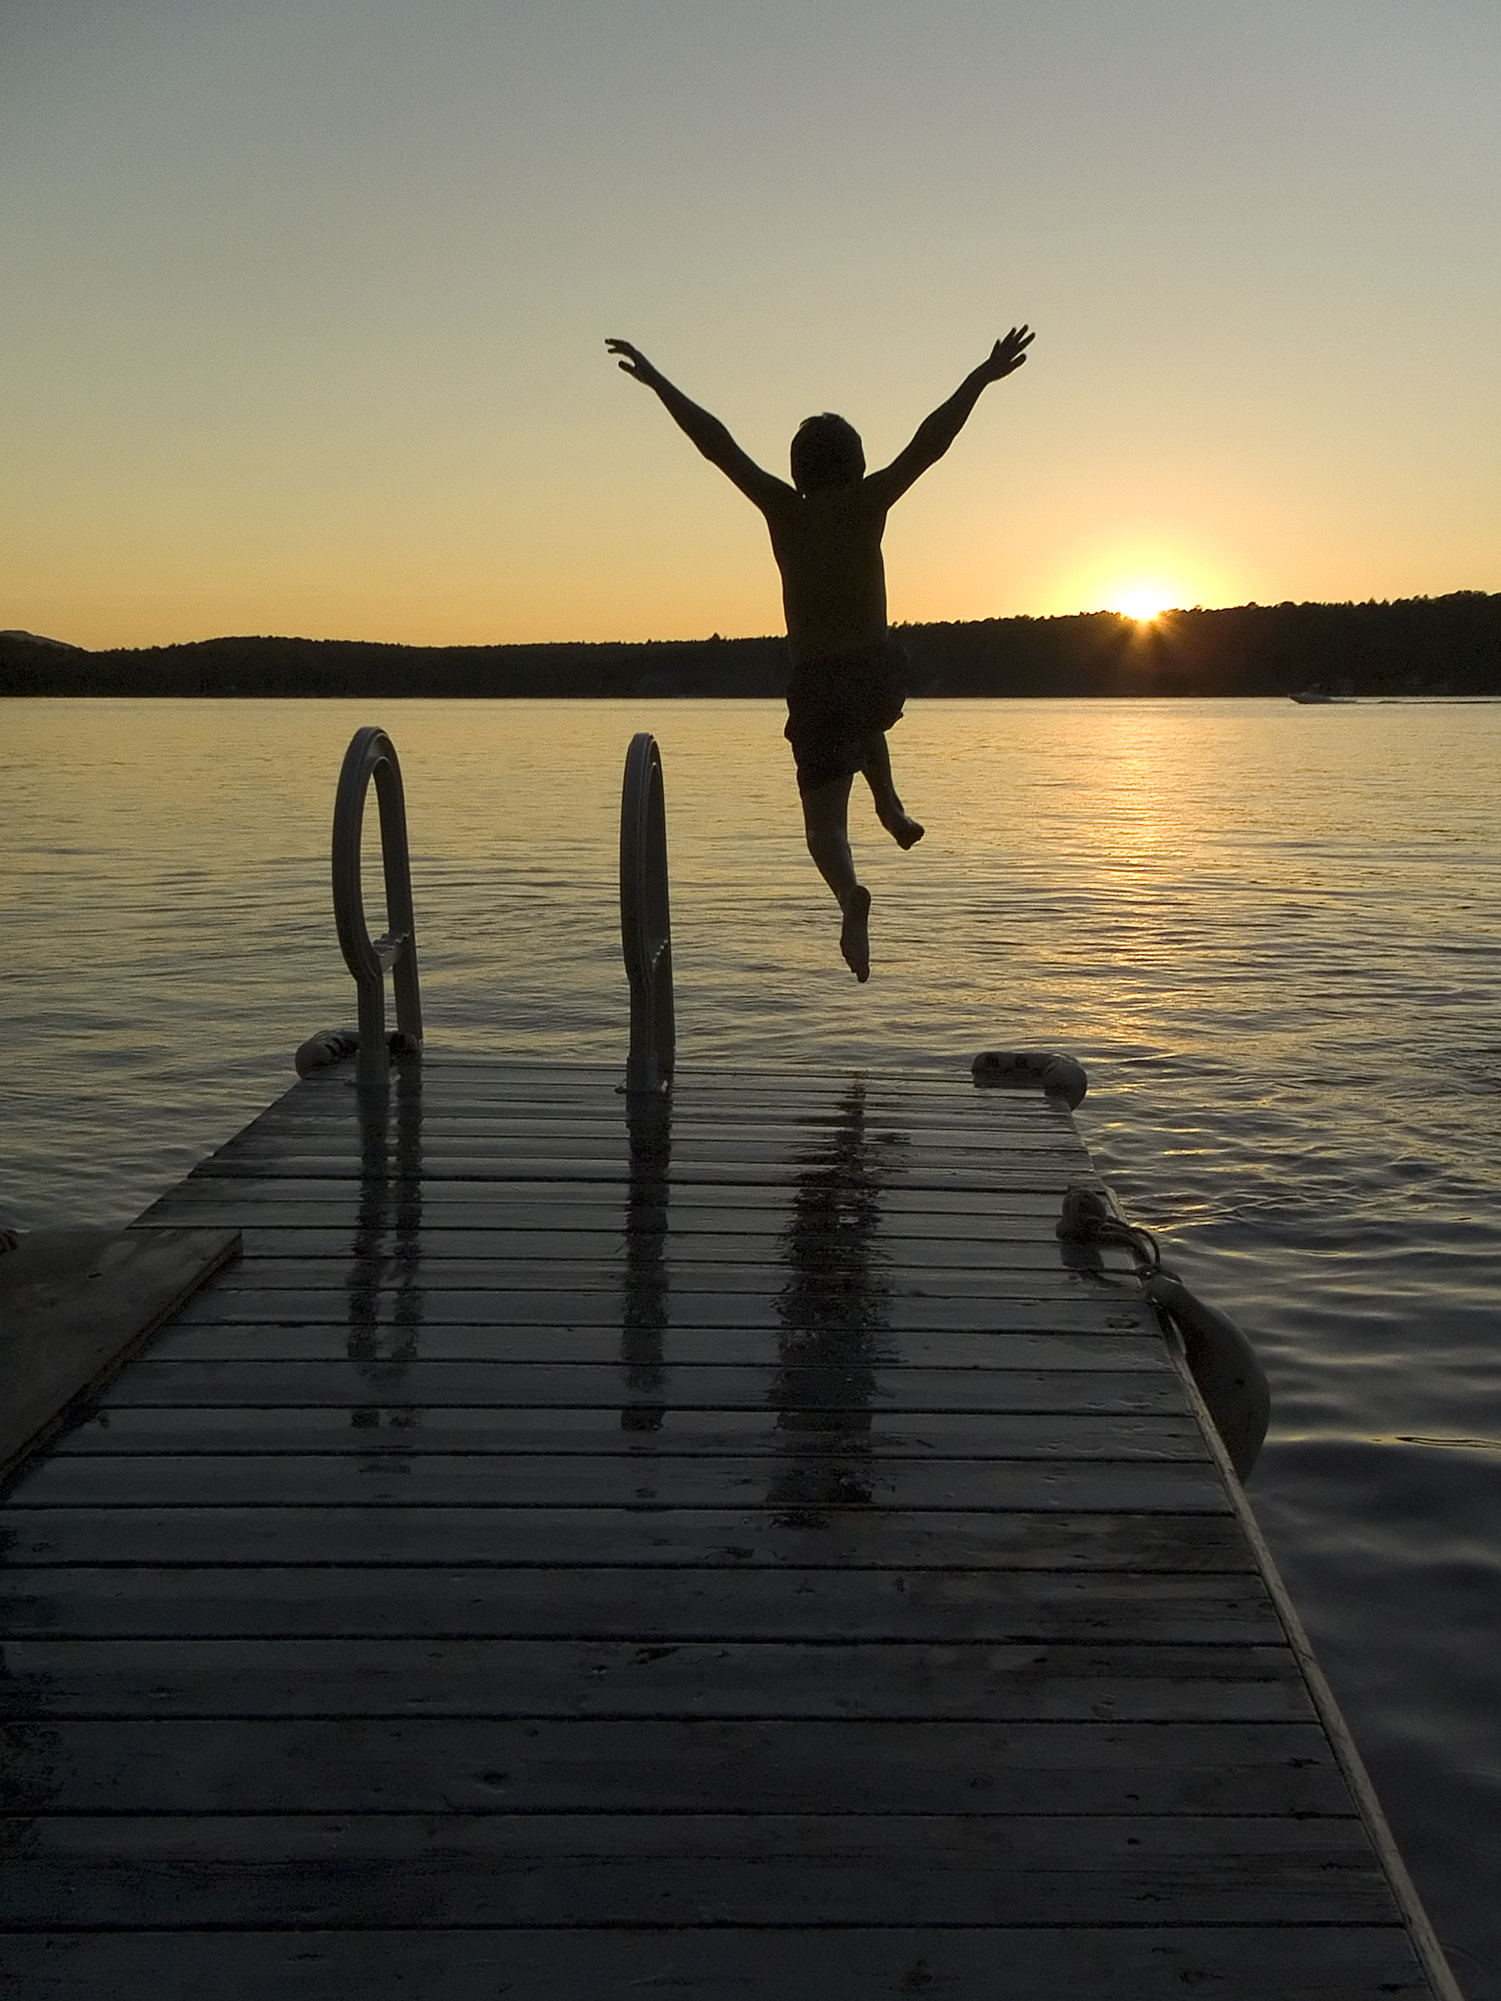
(1145, 599)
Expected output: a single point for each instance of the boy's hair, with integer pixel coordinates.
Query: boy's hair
(826, 452)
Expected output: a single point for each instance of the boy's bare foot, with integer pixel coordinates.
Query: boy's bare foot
(854, 933)
(901, 826)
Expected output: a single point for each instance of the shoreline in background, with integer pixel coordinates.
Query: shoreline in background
(1444, 646)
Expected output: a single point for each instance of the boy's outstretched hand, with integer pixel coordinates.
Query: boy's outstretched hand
(634, 362)
(1006, 355)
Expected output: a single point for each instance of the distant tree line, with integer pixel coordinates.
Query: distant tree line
(1410, 646)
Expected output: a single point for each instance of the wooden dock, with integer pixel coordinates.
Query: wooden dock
(729, 1551)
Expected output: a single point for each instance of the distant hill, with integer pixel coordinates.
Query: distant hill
(1409, 646)
(38, 639)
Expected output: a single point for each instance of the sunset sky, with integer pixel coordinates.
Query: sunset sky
(305, 301)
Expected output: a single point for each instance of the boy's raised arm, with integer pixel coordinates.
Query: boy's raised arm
(706, 431)
(935, 434)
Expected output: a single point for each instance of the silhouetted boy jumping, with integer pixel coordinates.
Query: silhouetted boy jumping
(847, 682)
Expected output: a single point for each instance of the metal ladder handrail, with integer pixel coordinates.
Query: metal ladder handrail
(371, 754)
(645, 918)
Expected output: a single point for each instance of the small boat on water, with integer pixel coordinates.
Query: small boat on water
(1316, 692)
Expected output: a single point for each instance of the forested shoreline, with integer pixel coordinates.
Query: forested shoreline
(1407, 646)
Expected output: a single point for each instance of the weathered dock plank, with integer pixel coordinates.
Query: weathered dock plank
(731, 1549)
(382, 1425)
(625, 1536)
(592, 1765)
(532, 1680)
(582, 1386)
(626, 1869)
(378, 1467)
(990, 1348)
(1105, 1963)
(670, 1606)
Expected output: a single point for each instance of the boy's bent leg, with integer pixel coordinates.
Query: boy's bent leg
(893, 816)
(826, 822)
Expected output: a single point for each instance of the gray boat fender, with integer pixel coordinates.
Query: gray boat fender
(1031, 1069)
(1223, 1363)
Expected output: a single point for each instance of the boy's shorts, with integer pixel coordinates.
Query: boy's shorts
(836, 704)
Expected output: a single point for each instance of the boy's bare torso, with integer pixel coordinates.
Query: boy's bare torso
(828, 549)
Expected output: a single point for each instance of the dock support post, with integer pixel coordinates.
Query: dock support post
(645, 921)
(371, 754)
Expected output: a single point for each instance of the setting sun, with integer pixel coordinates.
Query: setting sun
(1143, 601)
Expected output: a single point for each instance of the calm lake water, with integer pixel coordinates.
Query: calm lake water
(1272, 934)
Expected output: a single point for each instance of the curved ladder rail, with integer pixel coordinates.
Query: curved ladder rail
(371, 754)
(645, 921)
